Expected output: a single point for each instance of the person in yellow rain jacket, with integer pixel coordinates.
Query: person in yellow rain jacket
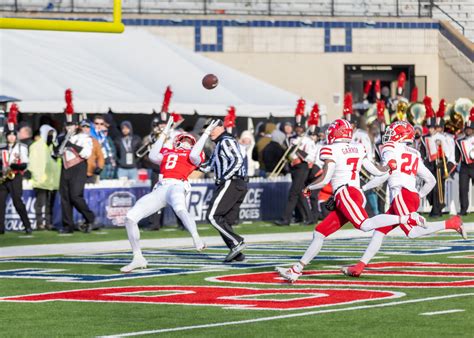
(45, 173)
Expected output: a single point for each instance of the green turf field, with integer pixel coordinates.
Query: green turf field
(183, 293)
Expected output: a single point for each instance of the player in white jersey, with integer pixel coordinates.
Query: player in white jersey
(404, 195)
(342, 164)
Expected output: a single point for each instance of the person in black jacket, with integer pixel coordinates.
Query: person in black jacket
(274, 151)
(127, 145)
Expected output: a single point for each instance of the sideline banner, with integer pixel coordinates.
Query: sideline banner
(110, 202)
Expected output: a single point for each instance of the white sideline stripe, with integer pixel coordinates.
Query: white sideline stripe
(293, 315)
(441, 312)
(181, 242)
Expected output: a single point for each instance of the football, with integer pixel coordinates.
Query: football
(210, 81)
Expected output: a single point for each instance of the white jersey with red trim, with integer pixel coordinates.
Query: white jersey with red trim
(408, 161)
(348, 159)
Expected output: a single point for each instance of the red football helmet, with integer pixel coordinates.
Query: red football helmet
(400, 131)
(339, 130)
(184, 141)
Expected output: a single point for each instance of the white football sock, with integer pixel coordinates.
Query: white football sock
(133, 234)
(382, 220)
(432, 227)
(374, 247)
(189, 224)
(313, 249)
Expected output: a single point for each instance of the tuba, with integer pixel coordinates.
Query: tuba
(463, 106)
(416, 113)
(455, 123)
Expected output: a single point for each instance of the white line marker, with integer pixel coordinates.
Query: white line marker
(292, 315)
(441, 312)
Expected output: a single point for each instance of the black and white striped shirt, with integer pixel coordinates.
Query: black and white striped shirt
(226, 160)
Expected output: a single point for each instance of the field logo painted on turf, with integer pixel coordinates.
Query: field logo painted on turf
(225, 297)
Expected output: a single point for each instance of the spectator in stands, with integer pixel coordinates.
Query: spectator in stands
(274, 150)
(25, 134)
(127, 145)
(45, 173)
(96, 162)
(246, 144)
(101, 128)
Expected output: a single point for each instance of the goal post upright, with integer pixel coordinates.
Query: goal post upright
(116, 26)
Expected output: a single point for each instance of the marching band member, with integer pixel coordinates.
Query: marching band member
(302, 151)
(14, 160)
(404, 194)
(75, 148)
(436, 149)
(465, 154)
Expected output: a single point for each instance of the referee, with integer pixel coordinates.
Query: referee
(231, 180)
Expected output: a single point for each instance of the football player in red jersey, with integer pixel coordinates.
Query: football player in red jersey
(405, 195)
(176, 165)
(342, 165)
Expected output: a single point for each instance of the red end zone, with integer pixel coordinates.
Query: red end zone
(465, 279)
(233, 297)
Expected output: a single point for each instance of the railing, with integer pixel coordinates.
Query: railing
(433, 5)
(353, 8)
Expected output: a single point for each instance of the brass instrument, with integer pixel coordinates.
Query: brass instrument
(7, 176)
(379, 191)
(455, 123)
(146, 146)
(62, 147)
(290, 151)
(463, 106)
(416, 113)
(402, 109)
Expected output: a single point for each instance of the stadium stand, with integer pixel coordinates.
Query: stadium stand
(458, 12)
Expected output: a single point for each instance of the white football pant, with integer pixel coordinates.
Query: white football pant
(167, 192)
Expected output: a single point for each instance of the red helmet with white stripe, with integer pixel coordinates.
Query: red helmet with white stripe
(184, 141)
(400, 131)
(339, 131)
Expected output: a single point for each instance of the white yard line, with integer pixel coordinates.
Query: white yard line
(292, 315)
(441, 312)
(167, 243)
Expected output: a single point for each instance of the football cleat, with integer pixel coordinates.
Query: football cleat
(235, 251)
(415, 219)
(199, 245)
(291, 275)
(353, 270)
(455, 223)
(138, 262)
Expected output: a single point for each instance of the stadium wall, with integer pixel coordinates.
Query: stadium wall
(308, 57)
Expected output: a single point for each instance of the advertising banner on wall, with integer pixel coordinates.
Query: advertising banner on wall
(265, 200)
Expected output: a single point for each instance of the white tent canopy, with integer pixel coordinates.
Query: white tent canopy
(127, 72)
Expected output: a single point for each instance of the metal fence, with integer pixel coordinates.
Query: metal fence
(350, 8)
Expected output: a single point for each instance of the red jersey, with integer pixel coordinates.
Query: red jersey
(177, 164)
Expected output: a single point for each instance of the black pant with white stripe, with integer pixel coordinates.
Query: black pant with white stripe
(222, 214)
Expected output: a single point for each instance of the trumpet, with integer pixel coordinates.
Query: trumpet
(7, 176)
(146, 146)
(62, 147)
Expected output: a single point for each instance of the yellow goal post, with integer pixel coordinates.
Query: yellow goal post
(116, 26)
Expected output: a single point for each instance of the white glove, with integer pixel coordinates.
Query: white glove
(471, 154)
(168, 126)
(211, 126)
